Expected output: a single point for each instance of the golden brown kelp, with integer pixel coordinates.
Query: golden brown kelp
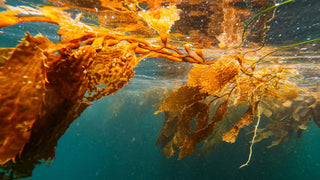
(41, 95)
(203, 132)
(181, 107)
(4, 55)
(245, 120)
(286, 117)
(238, 83)
(188, 103)
(112, 68)
(22, 87)
(43, 84)
(316, 114)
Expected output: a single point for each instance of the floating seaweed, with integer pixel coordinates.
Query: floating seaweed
(228, 78)
(45, 85)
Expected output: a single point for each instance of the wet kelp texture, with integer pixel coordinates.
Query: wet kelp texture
(230, 80)
(21, 96)
(35, 112)
(45, 85)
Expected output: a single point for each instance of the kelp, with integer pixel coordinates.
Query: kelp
(161, 19)
(181, 107)
(21, 100)
(245, 120)
(45, 85)
(36, 102)
(286, 118)
(233, 79)
(112, 74)
(203, 132)
(215, 77)
(4, 55)
(316, 114)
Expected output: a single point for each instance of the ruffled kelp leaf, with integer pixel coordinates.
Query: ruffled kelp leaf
(316, 114)
(167, 138)
(21, 94)
(199, 112)
(181, 107)
(161, 19)
(42, 88)
(245, 120)
(286, 117)
(212, 78)
(229, 77)
(181, 98)
(111, 69)
(195, 137)
(5, 53)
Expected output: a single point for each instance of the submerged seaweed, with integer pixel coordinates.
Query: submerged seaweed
(44, 86)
